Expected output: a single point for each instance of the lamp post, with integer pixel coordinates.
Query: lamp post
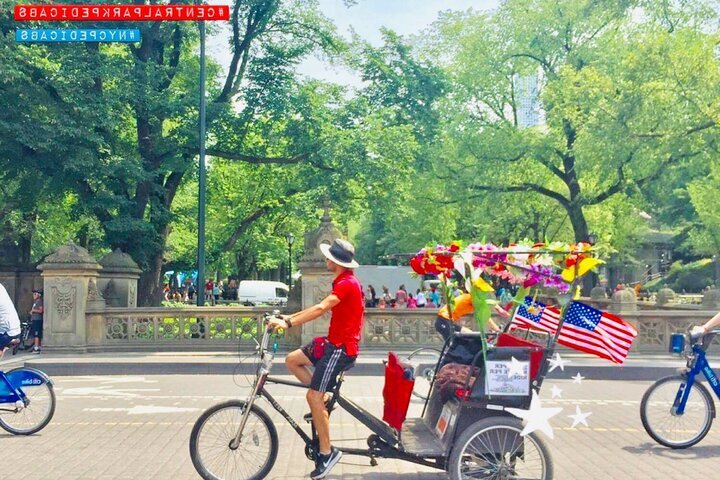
(290, 239)
(201, 180)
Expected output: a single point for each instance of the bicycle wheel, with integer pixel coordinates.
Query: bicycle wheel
(657, 412)
(210, 449)
(36, 414)
(493, 448)
(424, 360)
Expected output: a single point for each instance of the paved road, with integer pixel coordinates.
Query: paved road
(112, 427)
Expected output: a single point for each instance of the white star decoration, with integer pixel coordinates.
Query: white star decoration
(579, 417)
(578, 378)
(516, 368)
(536, 418)
(556, 392)
(558, 362)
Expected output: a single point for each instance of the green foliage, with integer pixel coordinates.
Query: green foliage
(98, 143)
(625, 104)
(705, 236)
(692, 277)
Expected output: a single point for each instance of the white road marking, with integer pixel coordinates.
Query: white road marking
(102, 380)
(142, 410)
(106, 391)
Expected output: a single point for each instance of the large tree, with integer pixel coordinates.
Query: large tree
(578, 102)
(122, 120)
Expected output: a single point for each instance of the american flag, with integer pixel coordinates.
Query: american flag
(585, 329)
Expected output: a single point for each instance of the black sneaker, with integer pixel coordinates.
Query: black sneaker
(325, 463)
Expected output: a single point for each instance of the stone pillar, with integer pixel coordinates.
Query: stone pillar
(598, 293)
(69, 275)
(665, 295)
(711, 299)
(316, 279)
(623, 301)
(118, 280)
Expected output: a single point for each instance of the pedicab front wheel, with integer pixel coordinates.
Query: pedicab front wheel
(213, 453)
(493, 448)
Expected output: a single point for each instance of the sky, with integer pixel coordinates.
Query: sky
(366, 18)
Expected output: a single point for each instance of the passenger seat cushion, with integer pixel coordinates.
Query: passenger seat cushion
(454, 376)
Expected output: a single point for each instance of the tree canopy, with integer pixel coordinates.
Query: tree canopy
(543, 119)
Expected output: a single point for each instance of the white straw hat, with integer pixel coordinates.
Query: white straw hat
(341, 252)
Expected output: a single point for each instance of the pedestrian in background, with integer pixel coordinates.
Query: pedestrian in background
(420, 299)
(36, 320)
(411, 302)
(209, 292)
(433, 297)
(373, 296)
(401, 297)
(216, 291)
(386, 295)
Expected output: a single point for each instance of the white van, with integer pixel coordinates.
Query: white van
(256, 292)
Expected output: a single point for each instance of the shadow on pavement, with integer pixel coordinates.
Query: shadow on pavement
(698, 451)
(392, 476)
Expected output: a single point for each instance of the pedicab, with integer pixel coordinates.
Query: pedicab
(465, 428)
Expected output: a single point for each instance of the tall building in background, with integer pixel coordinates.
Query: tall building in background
(527, 100)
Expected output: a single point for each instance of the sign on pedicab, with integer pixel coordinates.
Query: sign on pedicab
(507, 378)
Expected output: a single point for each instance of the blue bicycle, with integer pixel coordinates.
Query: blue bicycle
(678, 411)
(27, 400)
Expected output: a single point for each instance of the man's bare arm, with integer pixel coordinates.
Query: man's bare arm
(307, 315)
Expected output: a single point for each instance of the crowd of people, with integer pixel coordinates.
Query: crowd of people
(214, 291)
(422, 298)
(427, 297)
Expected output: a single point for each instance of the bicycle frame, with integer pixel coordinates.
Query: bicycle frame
(380, 445)
(11, 387)
(697, 365)
(8, 393)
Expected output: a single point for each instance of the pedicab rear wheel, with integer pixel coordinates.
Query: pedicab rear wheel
(493, 448)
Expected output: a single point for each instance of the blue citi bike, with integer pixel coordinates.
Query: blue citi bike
(678, 411)
(27, 399)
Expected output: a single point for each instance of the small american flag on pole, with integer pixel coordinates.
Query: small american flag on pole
(585, 329)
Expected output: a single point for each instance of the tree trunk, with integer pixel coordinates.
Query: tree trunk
(150, 285)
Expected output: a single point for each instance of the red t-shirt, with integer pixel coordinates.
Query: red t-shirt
(347, 316)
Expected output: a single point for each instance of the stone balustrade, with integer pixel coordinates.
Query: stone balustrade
(229, 328)
(91, 306)
(223, 328)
